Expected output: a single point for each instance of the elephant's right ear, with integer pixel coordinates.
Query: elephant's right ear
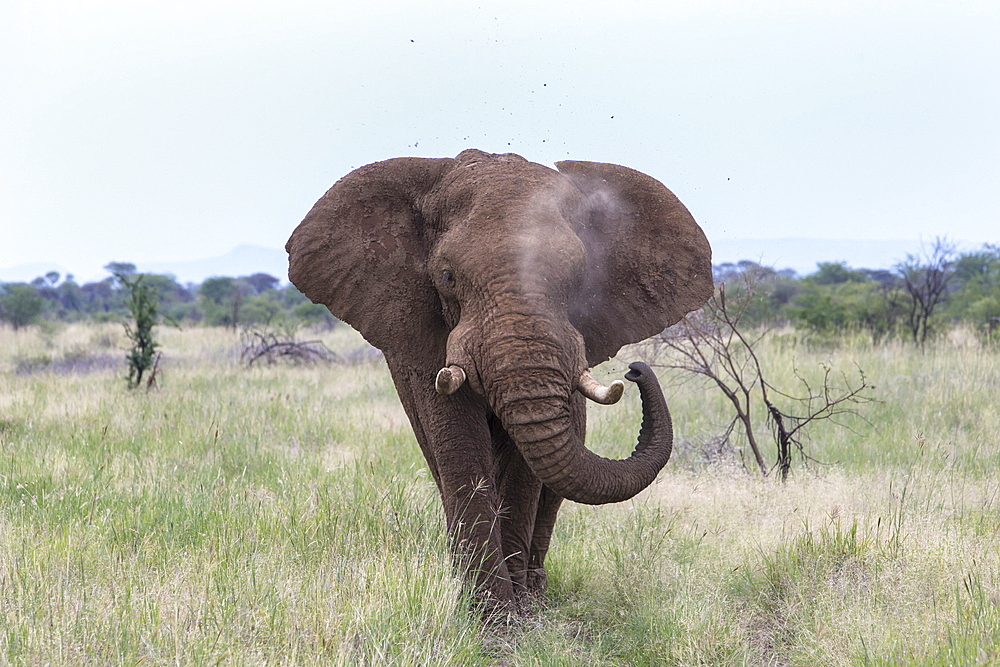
(361, 251)
(648, 262)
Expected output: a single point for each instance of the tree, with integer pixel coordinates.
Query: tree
(261, 282)
(313, 313)
(979, 267)
(120, 268)
(833, 307)
(974, 292)
(70, 294)
(98, 297)
(20, 304)
(222, 299)
(926, 277)
(174, 302)
(835, 273)
(265, 308)
(774, 291)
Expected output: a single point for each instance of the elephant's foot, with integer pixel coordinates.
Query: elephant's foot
(531, 598)
(537, 582)
(499, 611)
(497, 614)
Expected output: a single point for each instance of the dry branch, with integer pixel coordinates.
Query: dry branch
(267, 346)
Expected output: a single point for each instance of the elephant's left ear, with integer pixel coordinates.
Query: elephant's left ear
(362, 252)
(649, 263)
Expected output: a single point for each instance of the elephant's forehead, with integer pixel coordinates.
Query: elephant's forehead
(490, 189)
(514, 227)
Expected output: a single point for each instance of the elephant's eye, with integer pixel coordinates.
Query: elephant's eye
(447, 278)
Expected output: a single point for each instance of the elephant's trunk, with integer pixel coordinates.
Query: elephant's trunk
(535, 409)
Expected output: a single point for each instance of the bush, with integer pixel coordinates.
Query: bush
(20, 304)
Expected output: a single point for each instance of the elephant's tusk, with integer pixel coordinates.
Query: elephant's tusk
(449, 379)
(597, 392)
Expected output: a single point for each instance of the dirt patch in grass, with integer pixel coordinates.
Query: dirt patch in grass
(73, 361)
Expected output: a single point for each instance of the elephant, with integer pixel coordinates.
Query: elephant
(492, 285)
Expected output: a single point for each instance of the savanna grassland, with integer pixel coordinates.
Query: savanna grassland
(284, 515)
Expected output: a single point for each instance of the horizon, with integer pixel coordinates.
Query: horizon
(778, 254)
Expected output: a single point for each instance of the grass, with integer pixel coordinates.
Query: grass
(284, 515)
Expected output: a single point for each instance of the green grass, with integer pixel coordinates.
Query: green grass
(284, 515)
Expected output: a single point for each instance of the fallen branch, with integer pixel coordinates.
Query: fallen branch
(266, 346)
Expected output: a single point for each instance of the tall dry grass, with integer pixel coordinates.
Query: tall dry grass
(284, 515)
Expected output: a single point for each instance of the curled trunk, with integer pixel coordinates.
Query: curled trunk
(539, 420)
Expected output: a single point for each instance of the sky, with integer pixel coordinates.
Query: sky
(171, 131)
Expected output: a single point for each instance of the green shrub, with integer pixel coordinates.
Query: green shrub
(20, 304)
(141, 303)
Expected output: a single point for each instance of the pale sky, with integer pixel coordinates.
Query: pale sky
(166, 131)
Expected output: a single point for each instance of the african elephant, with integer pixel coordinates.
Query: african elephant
(491, 284)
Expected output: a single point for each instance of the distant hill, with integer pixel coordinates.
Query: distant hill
(24, 273)
(241, 261)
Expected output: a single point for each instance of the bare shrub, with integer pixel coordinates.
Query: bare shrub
(711, 343)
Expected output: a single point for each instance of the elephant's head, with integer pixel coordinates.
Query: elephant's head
(499, 276)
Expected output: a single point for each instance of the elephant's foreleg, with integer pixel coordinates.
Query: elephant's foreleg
(471, 505)
(472, 508)
(519, 491)
(454, 436)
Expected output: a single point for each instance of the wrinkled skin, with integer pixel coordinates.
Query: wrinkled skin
(491, 284)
